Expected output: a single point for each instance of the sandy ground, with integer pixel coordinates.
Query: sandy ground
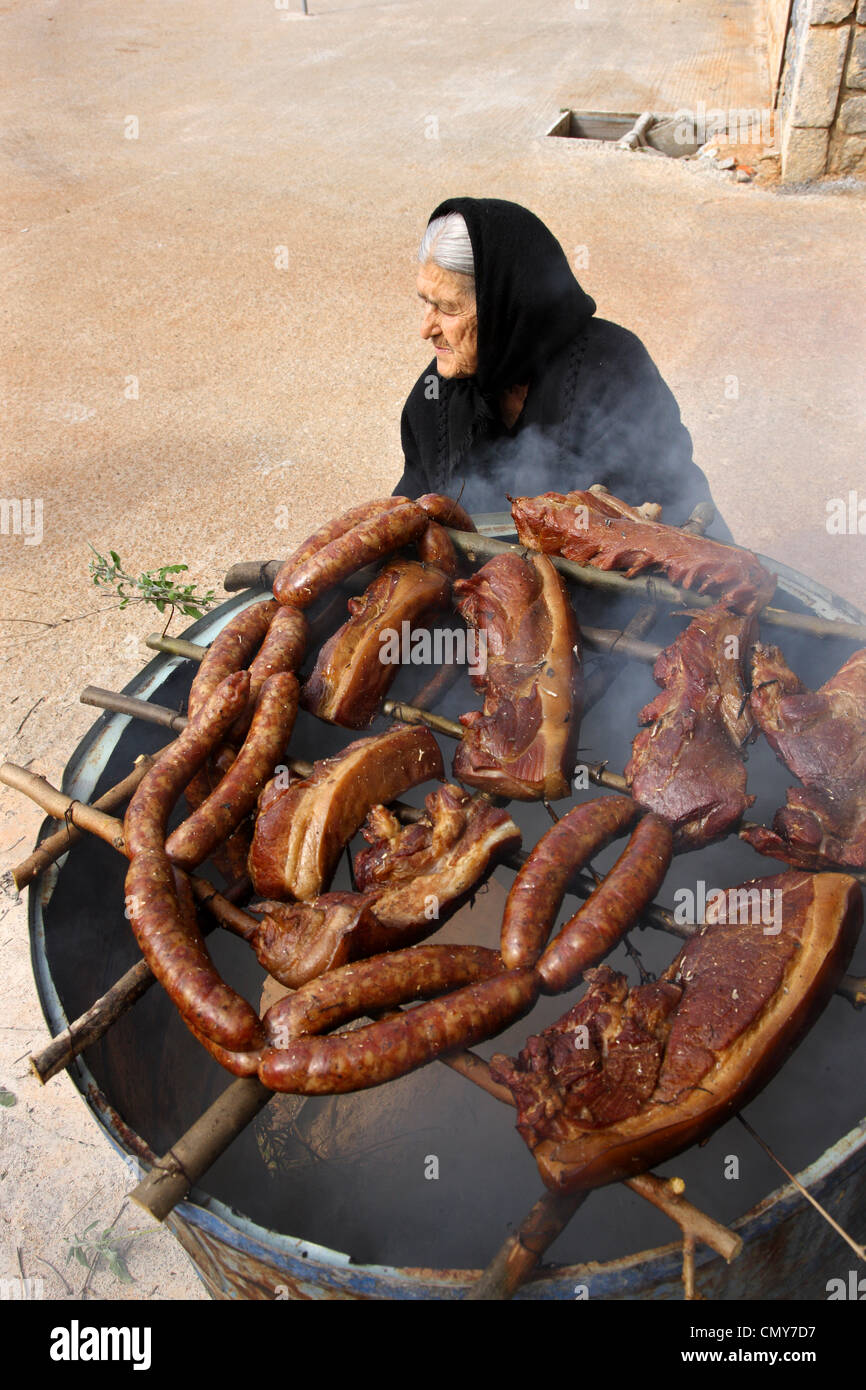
(208, 237)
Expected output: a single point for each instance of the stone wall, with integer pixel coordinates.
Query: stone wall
(822, 101)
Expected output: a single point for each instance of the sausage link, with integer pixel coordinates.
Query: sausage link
(614, 907)
(369, 540)
(238, 791)
(174, 948)
(391, 1048)
(238, 1063)
(231, 856)
(437, 548)
(333, 530)
(447, 511)
(148, 811)
(379, 982)
(282, 650)
(537, 892)
(230, 651)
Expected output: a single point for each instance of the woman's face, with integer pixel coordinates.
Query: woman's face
(449, 321)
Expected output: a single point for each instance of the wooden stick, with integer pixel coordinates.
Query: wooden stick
(519, 1254)
(89, 1027)
(53, 846)
(410, 714)
(109, 829)
(852, 988)
(689, 1268)
(483, 547)
(665, 1193)
(517, 1257)
(859, 1250)
(261, 574)
(189, 1158)
(610, 640)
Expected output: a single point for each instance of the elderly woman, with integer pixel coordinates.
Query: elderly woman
(529, 392)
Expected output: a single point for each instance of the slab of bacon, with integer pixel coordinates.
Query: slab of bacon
(302, 826)
(687, 765)
(410, 881)
(355, 668)
(820, 736)
(630, 1077)
(523, 743)
(595, 528)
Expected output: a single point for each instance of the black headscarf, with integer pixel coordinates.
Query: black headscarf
(597, 410)
(528, 301)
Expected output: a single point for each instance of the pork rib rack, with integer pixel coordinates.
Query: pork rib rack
(595, 528)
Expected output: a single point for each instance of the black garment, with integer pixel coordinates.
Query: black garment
(597, 410)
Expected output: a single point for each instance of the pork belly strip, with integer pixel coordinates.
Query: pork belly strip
(523, 742)
(820, 736)
(301, 827)
(687, 765)
(410, 881)
(631, 1077)
(598, 529)
(350, 676)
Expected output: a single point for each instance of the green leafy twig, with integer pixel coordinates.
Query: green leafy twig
(153, 586)
(88, 1249)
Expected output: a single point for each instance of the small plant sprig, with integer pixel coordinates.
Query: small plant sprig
(153, 586)
(88, 1249)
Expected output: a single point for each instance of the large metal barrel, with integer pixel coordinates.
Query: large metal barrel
(405, 1192)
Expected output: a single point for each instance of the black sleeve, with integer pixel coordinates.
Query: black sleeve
(628, 431)
(413, 482)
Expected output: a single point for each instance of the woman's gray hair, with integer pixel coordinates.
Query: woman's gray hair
(446, 243)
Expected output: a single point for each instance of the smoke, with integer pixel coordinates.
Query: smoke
(524, 465)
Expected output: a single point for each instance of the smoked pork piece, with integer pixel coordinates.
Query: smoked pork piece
(301, 827)
(421, 874)
(628, 1078)
(820, 736)
(523, 743)
(296, 942)
(598, 529)
(687, 765)
(355, 667)
(410, 881)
